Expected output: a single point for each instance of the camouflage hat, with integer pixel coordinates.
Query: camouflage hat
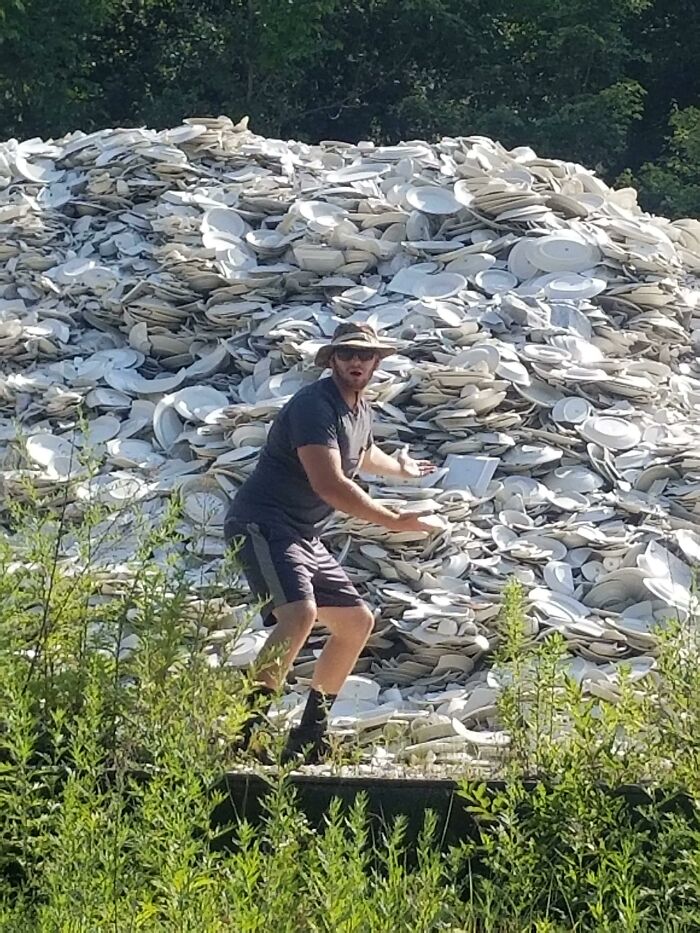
(361, 336)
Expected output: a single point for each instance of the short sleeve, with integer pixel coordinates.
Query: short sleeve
(312, 420)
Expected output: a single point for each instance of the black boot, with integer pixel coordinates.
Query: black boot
(307, 743)
(258, 702)
(305, 747)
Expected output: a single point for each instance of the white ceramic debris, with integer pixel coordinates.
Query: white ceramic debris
(175, 286)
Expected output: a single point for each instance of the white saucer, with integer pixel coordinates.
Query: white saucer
(495, 281)
(433, 200)
(571, 410)
(563, 252)
(610, 432)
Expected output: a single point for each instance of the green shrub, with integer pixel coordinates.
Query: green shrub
(108, 757)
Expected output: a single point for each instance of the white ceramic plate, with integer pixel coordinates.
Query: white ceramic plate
(167, 426)
(571, 410)
(204, 501)
(539, 392)
(435, 522)
(360, 171)
(249, 435)
(396, 153)
(471, 264)
(44, 449)
(119, 358)
(480, 354)
(559, 577)
(195, 402)
(527, 455)
(463, 193)
(473, 473)
(440, 285)
(574, 479)
(99, 431)
(321, 212)
(563, 251)
(526, 212)
(610, 432)
(541, 353)
(108, 398)
(221, 224)
(673, 594)
(550, 547)
(519, 261)
(495, 281)
(570, 285)
(513, 371)
(131, 452)
(433, 200)
(267, 240)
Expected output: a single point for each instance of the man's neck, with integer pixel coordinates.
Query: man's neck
(350, 396)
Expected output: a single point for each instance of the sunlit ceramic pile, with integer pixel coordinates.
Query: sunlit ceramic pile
(176, 285)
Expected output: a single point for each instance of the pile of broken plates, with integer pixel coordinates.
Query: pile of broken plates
(174, 287)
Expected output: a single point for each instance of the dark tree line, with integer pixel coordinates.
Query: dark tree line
(614, 84)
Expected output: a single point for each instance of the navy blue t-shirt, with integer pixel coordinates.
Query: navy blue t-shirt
(279, 491)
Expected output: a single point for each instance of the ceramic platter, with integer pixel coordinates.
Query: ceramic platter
(494, 281)
(571, 410)
(433, 200)
(204, 501)
(174, 286)
(610, 432)
(563, 252)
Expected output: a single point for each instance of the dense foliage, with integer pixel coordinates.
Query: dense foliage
(115, 731)
(614, 84)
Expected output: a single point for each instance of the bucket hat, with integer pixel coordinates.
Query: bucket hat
(361, 336)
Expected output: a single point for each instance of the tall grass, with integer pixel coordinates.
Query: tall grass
(115, 727)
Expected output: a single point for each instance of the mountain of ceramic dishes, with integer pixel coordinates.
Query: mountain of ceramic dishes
(175, 286)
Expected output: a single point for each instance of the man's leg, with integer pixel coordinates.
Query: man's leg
(294, 623)
(278, 568)
(350, 627)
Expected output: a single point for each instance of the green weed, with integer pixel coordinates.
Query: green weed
(115, 727)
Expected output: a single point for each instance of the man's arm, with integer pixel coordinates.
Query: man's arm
(324, 470)
(375, 461)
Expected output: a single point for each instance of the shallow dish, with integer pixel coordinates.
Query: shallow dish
(495, 281)
(610, 432)
(433, 200)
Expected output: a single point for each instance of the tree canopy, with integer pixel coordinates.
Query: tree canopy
(614, 84)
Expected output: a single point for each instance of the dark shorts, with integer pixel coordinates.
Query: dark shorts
(282, 567)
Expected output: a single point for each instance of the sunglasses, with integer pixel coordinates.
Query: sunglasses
(345, 354)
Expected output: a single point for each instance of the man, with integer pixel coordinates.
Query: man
(316, 445)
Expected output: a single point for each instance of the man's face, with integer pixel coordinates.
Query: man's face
(354, 368)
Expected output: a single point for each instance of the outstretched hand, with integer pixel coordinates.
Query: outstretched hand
(412, 521)
(411, 468)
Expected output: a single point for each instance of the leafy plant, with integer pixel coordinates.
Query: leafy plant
(115, 729)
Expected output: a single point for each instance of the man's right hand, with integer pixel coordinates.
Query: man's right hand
(410, 521)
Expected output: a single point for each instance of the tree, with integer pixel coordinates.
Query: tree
(588, 80)
(671, 185)
(46, 57)
(162, 60)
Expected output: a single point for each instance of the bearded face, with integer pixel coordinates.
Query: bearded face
(353, 368)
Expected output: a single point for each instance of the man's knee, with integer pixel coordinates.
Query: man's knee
(365, 622)
(299, 617)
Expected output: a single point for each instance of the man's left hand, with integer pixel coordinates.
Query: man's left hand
(411, 468)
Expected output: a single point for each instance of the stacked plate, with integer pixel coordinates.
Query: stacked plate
(175, 286)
